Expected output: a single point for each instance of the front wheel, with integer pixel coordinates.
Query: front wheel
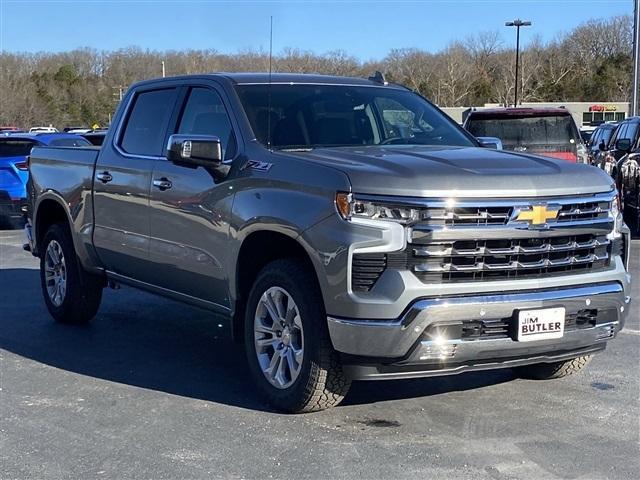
(70, 293)
(287, 341)
(550, 371)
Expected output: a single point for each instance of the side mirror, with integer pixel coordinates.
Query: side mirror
(602, 146)
(490, 142)
(199, 150)
(623, 144)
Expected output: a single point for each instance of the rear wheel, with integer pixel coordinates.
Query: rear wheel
(550, 371)
(70, 293)
(287, 341)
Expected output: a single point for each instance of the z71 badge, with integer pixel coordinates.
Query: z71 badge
(262, 166)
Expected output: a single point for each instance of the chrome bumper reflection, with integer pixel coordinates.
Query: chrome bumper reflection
(399, 338)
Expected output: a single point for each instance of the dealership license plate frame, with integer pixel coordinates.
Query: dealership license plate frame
(548, 317)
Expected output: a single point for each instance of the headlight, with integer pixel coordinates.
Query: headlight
(349, 207)
(582, 153)
(616, 214)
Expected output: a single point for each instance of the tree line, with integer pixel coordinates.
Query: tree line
(593, 62)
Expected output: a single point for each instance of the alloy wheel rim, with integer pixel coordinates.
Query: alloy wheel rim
(278, 337)
(55, 273)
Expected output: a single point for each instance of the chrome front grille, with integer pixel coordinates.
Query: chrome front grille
(594, 210)
(443, 215)
(476, 240)
(507, 259)
(468, 216)
(473, 240)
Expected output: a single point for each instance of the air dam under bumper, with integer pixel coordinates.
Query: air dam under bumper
(405, 347)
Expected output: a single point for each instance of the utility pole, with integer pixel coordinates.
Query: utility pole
(162, 68)
(518, 23)
(636, 57)
(118, 93)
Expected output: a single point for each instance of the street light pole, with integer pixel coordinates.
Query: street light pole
(636, 57)
(517, 23)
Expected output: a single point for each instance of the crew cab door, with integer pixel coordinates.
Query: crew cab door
(123, 181)
(190, 208)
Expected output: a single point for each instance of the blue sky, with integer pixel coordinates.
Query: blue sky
(365, 29)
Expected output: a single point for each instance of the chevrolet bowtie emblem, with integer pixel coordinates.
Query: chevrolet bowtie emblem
(538, 215)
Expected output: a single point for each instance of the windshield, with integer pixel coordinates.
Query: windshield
(310, 116)
(70, 142)
(16, 148)
(543, 133)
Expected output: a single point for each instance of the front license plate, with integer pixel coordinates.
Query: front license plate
(540, 324)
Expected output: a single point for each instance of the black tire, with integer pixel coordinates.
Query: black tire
(550, 371)
(321, 382)
(83, 294)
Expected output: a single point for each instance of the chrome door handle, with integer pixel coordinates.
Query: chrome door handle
(162, 183)
(104, 177)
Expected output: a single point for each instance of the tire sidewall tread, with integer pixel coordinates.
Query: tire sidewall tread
(321, 382)
(83, 292)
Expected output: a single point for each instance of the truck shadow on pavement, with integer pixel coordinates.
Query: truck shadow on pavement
(146, 341)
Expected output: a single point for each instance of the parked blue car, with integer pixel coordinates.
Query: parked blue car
(14, 170)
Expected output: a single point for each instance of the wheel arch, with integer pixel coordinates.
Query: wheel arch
(258, 249)
(50, 209)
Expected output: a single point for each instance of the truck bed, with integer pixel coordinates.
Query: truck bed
(64, 173)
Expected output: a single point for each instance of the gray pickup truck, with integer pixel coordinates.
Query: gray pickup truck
(341, 228)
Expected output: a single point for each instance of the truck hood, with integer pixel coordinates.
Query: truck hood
(426, 171)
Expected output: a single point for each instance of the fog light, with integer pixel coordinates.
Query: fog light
(434, 351)
(606, 331)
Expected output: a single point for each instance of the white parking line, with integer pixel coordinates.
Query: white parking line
(630, 331)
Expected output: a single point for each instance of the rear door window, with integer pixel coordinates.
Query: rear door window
(147, 122)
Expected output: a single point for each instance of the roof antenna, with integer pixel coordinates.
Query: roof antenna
(269, 87)
(378, 77)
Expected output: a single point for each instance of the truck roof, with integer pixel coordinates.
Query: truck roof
(40, 137)
(280, 78)
(519, 112)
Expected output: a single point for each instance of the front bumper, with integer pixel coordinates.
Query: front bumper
(405, 346)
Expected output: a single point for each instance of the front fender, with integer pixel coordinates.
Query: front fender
(288, 198)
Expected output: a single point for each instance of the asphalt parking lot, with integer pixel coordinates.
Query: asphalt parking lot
(147, 391)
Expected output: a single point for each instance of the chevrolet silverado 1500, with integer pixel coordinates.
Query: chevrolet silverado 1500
(343, 229)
